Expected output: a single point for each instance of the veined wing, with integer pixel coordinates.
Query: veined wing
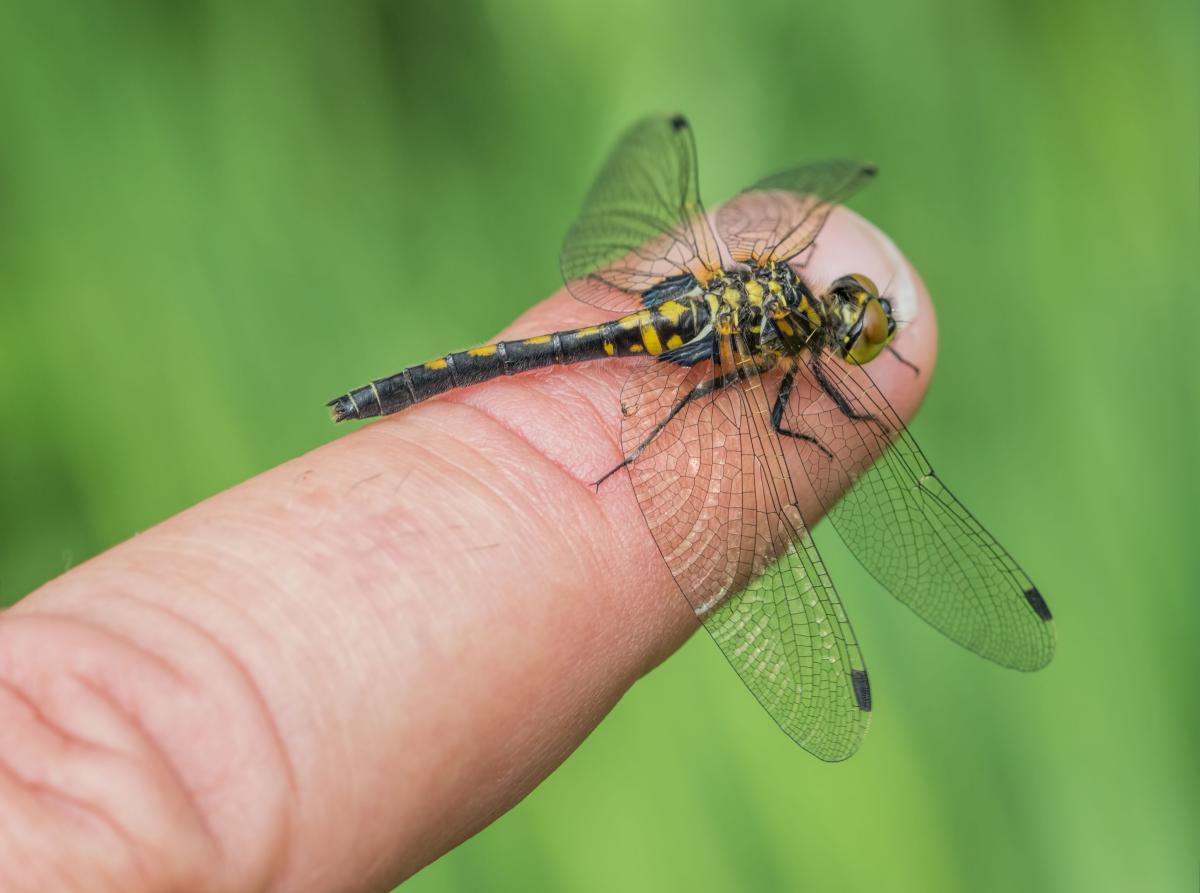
(906, 528)
(643, 221)
(779, 217)
(713, 485)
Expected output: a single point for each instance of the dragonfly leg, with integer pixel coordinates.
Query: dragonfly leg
(838, 398)
(705, 387)
(785, 392)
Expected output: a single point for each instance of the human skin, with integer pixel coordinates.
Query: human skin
(326, 677)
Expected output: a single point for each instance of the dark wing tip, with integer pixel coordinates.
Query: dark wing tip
(862, 689)
(678, 122)
(869, 169)
(1038, 603)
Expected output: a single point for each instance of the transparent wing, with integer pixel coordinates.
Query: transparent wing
(642, 222)
(713, 485)
(906, 528)
(780, 216)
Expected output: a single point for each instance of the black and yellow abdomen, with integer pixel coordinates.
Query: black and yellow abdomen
(653, 331)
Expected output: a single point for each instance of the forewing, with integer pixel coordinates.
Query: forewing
(720, 503)
(780, 216)
(907, 529)
(643, 221)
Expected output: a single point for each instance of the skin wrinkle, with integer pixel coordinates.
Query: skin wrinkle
(243, 564)
(77, 810)
(530, 500)
(223, 651)
(233, 661)
(173, 770)
(130, 728)
(507, 426)
(67, 738)
(57, 793)
(106, 624)
(129, 719)
(585, 395)
(19, 611)
(402, 445)
(49, 792)
(237, 564)
(471, 468)
(564, 397)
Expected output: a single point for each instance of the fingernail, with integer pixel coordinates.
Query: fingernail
(889, 269)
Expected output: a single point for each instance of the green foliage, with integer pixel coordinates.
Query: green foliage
(214, 216)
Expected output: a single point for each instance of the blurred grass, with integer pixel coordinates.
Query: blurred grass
(213, 216)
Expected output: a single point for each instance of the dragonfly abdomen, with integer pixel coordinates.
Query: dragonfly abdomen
(651, 331)
(384, 396)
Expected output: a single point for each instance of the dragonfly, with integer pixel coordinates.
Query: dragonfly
(748, 408)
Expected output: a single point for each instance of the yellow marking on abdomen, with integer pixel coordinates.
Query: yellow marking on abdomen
(754, 292)
(635, 348)
(674, 341)
(650, 339)
(610, 348)
(538, 339)
(486, 351)
(436, 364)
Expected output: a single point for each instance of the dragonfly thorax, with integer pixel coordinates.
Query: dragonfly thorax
(772, 307)
(768, 304)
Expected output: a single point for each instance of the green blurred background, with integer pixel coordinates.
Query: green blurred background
(213, 216)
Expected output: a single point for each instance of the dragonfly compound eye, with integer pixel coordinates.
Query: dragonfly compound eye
(875, 323)
(870, 334)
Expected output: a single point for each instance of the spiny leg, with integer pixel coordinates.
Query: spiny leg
(705, 387)
(785, 392)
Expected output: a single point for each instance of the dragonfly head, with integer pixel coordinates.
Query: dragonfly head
(865, 321)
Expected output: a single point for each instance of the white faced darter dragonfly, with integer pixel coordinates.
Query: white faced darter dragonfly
(751, 399)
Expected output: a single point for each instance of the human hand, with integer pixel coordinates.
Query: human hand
(328, 676)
